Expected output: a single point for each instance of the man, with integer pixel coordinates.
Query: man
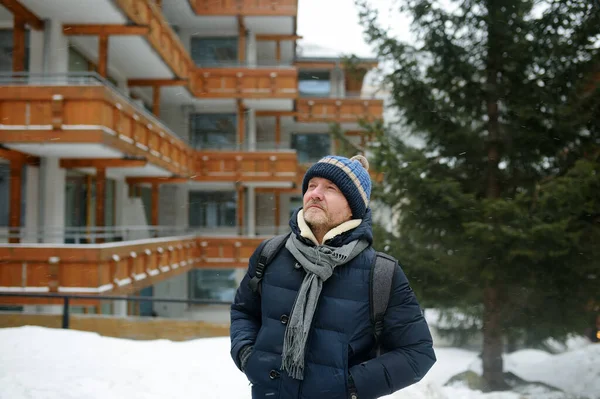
(307, 332)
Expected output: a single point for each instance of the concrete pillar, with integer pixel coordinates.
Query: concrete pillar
(121, 198)
(239, 275)
(52, 199)
(36, 51)
(341, 86)
(120, 308)
(32, 198)
(251, 131)
(251, 49)
(251, 208)
(175, 287)
(182, 206)
(56, 57)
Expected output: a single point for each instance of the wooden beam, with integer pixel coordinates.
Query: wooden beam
(241, 40)
(19, 10)
(273, 38)
(157, 82)
(156, 101)
(279, 190)
(105, 30)
(100, 198)
(103, 55)
(278, 51)
(277, 131)
(70, 163)
(20, 157)
(18, 56)
(16, 178)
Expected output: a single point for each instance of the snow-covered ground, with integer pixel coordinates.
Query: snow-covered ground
(43, 363)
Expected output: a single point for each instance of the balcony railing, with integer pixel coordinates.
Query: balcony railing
(86, 108)
(111, 234)
(219, 166)
(259, 82)
(162, 38)
(341, 110)
(245, 7)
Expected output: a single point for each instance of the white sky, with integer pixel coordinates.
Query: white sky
(334, 24)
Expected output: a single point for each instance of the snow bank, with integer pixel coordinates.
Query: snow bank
(51, 364)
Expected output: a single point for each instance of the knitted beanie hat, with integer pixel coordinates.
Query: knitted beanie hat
(350, 175)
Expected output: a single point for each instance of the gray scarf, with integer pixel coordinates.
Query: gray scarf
(318, 262)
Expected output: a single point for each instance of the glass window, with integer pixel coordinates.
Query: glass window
(78, 62)
(213, 131)
(212, 208)
(6, 50)
(212, 284)
(314, 84)
(214, 51)
(311, 146)
(5, 194)
(295, 203)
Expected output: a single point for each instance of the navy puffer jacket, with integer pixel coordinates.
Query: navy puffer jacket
(341, 342)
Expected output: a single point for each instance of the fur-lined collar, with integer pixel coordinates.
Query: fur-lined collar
(306, 232)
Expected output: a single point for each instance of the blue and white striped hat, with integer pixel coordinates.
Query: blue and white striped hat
(350, 175)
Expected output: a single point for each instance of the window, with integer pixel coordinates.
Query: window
(311, 146)
(214, 51)
(212, 284)
(295, 203)
(212, 208)
(213, 131)
(6, 50)
(5, 194)
(314, 84)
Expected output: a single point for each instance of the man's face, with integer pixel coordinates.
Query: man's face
(325, 207)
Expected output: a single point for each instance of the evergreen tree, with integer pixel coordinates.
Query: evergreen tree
(500, 209)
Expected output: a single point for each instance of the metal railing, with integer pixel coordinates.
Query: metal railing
(94, 234)
(247, 146)
(66, 298)
(81, 79)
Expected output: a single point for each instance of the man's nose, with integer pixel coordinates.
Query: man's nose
(317, 193)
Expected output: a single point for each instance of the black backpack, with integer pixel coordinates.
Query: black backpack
(382, 273)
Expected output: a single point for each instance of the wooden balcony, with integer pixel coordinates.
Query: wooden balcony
(221, 166)
(245, 7)
(162, 38)
(93, 114)
(246, 83)
(114, 268)
(340, 110)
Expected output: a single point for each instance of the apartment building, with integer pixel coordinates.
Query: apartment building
(147, 147)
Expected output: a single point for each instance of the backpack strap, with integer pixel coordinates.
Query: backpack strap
(382, 276)
(269, 250)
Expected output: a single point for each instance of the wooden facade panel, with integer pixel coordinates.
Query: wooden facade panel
(79, 275)
(338, 110)
(14, 113)
(245, 7)
(11, 275)
(245, 166)
(246, 83)
(87, 113)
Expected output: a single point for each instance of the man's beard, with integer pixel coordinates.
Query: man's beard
(319, 220)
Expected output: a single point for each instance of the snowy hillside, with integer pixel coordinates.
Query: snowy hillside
(66, 364)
